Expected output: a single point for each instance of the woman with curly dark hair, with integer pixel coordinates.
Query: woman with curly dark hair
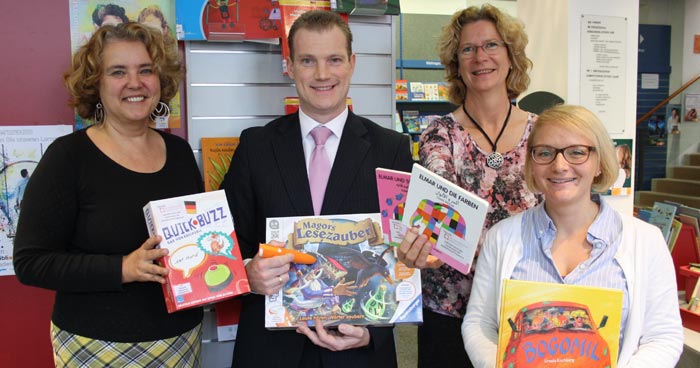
(82, 232)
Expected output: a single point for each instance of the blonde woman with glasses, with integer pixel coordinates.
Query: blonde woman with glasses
(576, 238)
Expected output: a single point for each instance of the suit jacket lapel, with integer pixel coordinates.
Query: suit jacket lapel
(289, 154)
(351, 152)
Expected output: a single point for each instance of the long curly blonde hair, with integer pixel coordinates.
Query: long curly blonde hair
(511, 30)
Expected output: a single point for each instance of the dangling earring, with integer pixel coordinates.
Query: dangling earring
(99, 116)
(161, 114)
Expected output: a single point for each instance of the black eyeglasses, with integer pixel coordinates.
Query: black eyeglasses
(575, 155)
(489, 47)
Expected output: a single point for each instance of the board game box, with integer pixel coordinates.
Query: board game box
(356, 278)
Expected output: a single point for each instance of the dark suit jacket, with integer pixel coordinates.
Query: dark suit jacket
(267, 178)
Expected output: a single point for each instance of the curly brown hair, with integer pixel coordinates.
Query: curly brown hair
(82, 79)
(511, 30)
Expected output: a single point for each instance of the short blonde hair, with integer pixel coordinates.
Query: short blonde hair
(83, 78)
(511, 30)
(581, 121)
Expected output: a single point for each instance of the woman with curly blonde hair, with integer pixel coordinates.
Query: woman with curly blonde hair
(481, 147)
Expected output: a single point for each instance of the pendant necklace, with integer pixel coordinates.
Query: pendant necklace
(494, 160)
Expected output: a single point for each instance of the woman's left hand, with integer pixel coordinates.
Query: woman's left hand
(139, 265)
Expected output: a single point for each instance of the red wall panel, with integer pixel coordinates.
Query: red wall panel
(34, 53)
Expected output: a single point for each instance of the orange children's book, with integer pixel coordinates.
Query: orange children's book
(216, 159)
(204, 256)
(557, 325)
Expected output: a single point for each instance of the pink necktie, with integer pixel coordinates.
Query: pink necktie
(319, 167)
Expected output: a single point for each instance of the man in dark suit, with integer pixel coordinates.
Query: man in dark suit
(268, 178)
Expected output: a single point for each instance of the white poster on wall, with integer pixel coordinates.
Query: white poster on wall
(21, 147)
(603, 58)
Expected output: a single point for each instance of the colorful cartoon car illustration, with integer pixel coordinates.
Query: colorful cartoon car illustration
(560, 334)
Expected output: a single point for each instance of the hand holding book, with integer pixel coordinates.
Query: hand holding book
(414, 251)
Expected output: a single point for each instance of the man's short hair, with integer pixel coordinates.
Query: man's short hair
(319, 20)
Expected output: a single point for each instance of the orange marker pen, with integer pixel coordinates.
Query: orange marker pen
(267, 251)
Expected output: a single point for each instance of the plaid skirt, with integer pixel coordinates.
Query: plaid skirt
(71, 350)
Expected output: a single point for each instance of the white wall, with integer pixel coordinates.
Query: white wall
(548, 46)
(690, 132)
(554, 29)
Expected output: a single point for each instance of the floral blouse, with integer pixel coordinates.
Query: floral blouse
(449, 150)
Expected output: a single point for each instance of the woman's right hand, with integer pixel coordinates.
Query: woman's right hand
(414, 251)
(140, 264)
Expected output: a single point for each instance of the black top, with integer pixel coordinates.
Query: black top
(268, 178)
(81, 213)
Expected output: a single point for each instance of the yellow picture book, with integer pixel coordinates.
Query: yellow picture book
(557, 325)
(216, 158)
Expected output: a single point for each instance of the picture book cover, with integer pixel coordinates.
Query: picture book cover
(558, 325)
(204, 260)
(451, 217)
(662, 215)
(228, 20)
(401, 90)
(290, 11)
(392, 187)
(356, 278)
(216, 159)
(411, 120)
(366, 7)
(675, 231)
(623, 153)
(21, 148)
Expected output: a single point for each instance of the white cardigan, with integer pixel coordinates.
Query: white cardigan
(654, 333)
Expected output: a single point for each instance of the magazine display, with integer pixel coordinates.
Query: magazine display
(558, 325)
(392, 187)
(356, 278)
(204, 256)
(451, 217)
